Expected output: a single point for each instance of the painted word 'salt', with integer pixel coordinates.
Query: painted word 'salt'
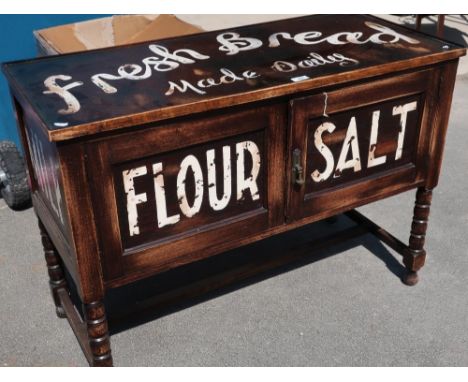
(350, 156)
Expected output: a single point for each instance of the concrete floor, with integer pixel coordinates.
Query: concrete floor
(347, 309)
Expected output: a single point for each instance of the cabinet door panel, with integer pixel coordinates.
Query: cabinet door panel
(171, 193)
(189, 189)
(350, 144)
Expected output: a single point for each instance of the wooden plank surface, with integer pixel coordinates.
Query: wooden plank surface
(107, 89)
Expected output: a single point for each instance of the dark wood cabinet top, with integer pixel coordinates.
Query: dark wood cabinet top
(85, 93)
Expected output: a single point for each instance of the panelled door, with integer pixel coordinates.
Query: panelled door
(354, 145)
(178, 191)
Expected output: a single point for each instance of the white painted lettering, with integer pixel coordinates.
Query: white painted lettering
(314, 60)
(351, 141)
(323, 149)
(250, 182)
(164, 61)
(182, 88)
(73, 105)
(273, 41)
(385, 35)
(227, 77)
(372, 161)
(133, 199)
(160, 193)
(215, 203)
(232, 43)
(283, 66)
(190, 162)
(403, 112)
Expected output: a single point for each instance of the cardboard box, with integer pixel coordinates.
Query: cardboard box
(110, 31)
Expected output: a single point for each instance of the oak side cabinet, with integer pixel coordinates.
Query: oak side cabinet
(146, 157)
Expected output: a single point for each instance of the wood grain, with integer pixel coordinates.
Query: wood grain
(104, 112)
(394, 104)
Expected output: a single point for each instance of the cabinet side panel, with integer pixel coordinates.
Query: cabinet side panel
(46, 172)
(440, 117)
(46, 184)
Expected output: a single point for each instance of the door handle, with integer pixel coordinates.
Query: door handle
(298, 171)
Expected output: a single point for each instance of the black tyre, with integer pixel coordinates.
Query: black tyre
(13, 178)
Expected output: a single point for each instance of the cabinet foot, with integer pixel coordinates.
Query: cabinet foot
(98, 334)
(410, 278)
(60, 312)
(415, 255)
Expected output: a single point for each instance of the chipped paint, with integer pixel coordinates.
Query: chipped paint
(372, 161)
(160, 193)
(215, 203)
(192, 170)
(244, 182)
(316, 175)
(133, 199)
(350, 142)
(403, 111)
(348, 146)
(187, 209)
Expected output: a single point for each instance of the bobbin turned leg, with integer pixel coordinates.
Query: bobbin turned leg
(415, 256)
(54, 267)
(98, 333)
